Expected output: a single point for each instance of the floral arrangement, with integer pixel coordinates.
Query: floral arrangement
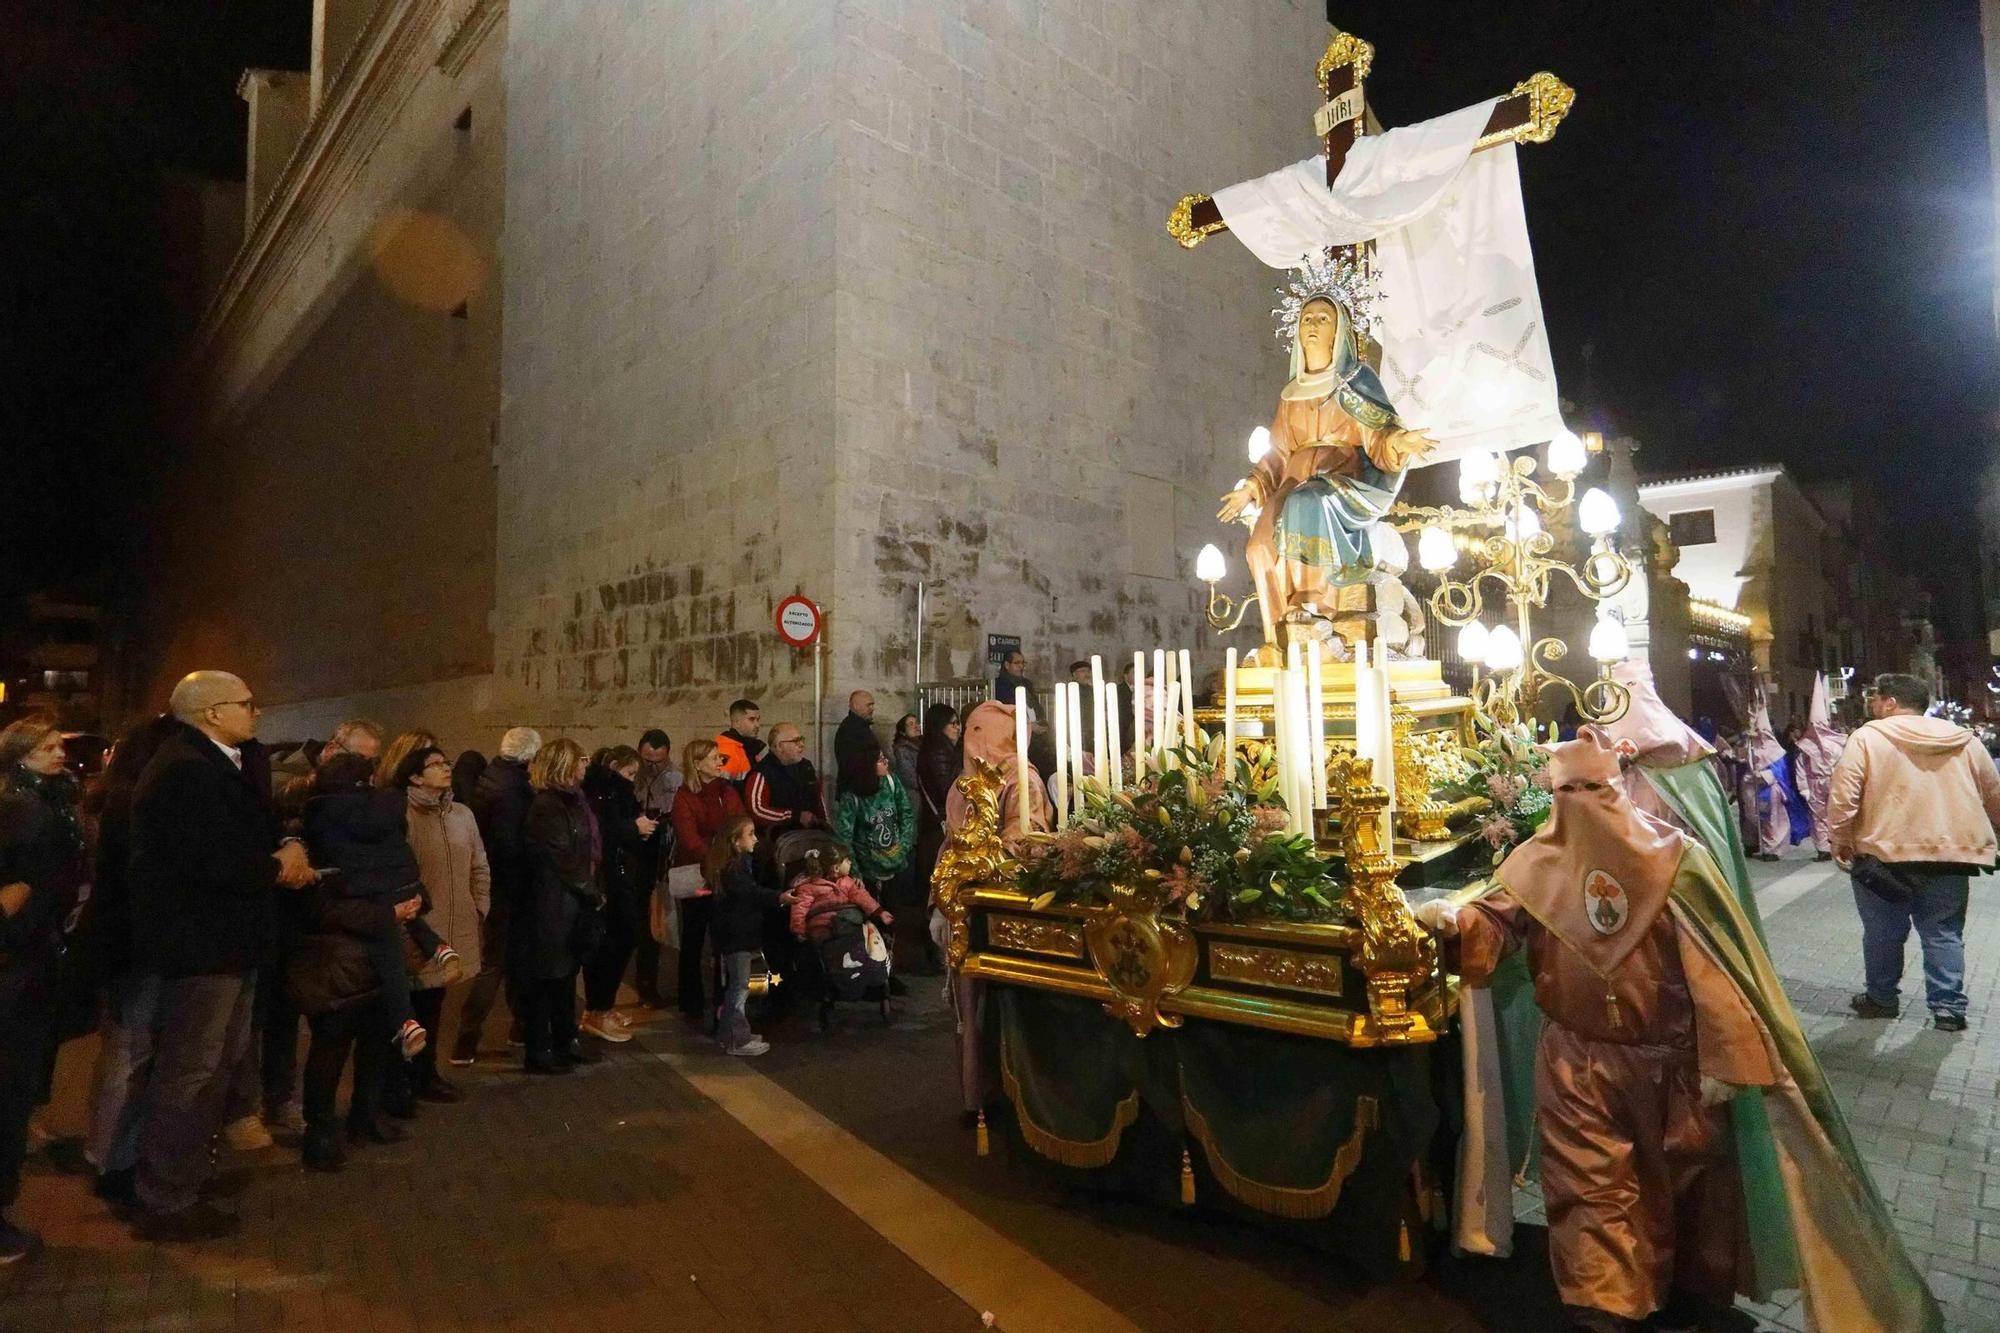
(1507, 768)
(1214, 843)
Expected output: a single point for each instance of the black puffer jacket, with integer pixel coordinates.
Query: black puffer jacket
(562, 884)
(615, 802)
(364, 833)
(327, 962)
(41, 845)
(500, 803)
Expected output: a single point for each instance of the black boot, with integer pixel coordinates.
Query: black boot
(320, 1150)
(374, 1129)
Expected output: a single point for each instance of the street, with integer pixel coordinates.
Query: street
(831, 1186)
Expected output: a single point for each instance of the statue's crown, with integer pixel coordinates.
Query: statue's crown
(1334, 276)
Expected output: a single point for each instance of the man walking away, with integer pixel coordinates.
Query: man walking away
(1912, 807)
(500, 806)
(206, 867)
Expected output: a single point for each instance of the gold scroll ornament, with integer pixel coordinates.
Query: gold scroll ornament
(1398, 956)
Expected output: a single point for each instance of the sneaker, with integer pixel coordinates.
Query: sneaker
(754, 1046)
(17, 1243)
(462, 1055)
(287, 1119)
(1946, 1021)
(445, 968)
(604, 1028)
(411, 1038)
(1867, 1006)
(197, 1221)
(247, 1134)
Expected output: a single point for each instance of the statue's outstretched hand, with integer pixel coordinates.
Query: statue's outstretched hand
(1235, 503)
(1408, 446)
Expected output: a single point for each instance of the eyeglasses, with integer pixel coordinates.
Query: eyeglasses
(247, 705)
(439, 762)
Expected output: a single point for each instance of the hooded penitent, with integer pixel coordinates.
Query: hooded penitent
(1654, 984)
(989, 735)
(1674, 774)
(1775, 797)
(1820, 745)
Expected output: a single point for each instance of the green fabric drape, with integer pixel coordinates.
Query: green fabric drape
(1694, 792)
(1290, 1126)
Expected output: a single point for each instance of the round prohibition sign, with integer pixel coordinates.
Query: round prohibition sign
(798, 621)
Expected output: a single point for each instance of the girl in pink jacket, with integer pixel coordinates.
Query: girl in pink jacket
(819, 895)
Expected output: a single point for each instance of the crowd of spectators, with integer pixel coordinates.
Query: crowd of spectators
(210, 907)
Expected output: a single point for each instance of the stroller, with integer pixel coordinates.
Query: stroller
(852, 960)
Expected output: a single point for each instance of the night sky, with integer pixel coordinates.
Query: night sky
(1764, 233)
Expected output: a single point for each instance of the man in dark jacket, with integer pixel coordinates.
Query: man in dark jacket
(856, 732)
(783, 792)
(206, 868)
(501, 806)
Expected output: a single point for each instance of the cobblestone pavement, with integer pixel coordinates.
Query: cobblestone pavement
(628, 1197)
(1923, 1105)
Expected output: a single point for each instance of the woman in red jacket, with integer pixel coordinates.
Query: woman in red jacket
(706, 802)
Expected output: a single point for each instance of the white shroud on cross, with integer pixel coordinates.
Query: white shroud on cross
(1465, 352)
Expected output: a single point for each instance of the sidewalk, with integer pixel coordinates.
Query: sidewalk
(1923, 1105)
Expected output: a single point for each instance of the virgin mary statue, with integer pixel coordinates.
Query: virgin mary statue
(1337, 458)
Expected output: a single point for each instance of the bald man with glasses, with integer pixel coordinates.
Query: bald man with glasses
(208, 865)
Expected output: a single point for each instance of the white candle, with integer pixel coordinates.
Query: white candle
(1138, 715)
(1116, 748)
(1229, 715)
(1302, 743)
(1062, 755)
(1367, 700)
(1164, 724)
(1187, 701)
(1076, 744)
(1280, 755)
(1159, 737)
(1316, 724)
(1021, 758)
(1386, 720)
(1097, 707)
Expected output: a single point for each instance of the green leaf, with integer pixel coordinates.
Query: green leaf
(1249, 895)
(1043, 901)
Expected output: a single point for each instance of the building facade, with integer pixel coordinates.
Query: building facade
(566, 340)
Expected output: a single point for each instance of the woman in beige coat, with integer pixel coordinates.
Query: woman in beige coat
(451, 858)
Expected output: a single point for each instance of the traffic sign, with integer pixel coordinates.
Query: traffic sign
(798, 621)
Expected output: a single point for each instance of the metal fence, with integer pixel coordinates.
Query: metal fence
(960, 694)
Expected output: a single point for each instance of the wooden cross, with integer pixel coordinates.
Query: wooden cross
(1529, 114)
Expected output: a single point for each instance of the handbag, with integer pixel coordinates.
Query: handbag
(685, 882)
(1882, 879)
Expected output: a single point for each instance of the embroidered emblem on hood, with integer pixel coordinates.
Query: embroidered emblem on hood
(1604, 902)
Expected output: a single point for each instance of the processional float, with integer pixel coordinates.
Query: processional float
(1211, 953)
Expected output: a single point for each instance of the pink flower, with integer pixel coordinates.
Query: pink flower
(1543, 780)
(1270, 818)
(1181, 882)
(1504, 788)
(1075, 859)
(1498, 830)
(1131, 841)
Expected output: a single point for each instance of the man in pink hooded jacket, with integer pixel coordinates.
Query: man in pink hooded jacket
(1912, 807)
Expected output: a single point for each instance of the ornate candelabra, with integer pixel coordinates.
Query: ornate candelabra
(1503, 528)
